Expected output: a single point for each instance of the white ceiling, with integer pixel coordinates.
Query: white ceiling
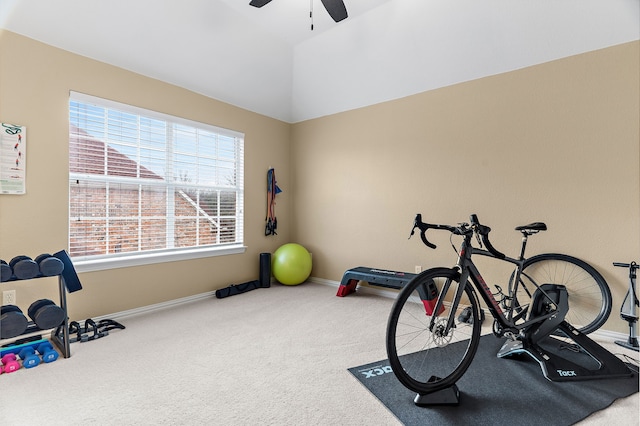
(269, 61)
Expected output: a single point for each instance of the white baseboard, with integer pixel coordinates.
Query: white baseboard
(157, 306)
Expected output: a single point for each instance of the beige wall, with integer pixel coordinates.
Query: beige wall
(557, 142)
(34, 92)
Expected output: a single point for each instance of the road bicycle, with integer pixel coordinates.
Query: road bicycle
(546, 294)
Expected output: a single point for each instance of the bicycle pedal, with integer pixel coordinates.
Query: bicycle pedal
(465, 316)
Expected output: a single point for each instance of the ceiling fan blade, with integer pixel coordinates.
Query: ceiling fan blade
(259, 3)
(336, 9)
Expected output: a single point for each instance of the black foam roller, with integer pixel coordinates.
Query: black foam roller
(265, 269)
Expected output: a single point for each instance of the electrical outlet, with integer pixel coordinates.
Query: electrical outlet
(9, 297)
(418, 269)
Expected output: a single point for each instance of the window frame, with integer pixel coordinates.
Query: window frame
(139, 258)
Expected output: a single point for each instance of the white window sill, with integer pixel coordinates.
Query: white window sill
(138, 259)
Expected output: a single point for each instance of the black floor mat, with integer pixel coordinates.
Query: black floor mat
(498, 391)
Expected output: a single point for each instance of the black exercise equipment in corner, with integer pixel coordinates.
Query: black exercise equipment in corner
(628, 310)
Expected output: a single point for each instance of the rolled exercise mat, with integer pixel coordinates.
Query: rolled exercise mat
(265, 270)
(234, 289)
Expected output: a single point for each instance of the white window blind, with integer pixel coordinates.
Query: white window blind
(141, 182)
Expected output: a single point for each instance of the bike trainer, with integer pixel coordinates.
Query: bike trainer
(561, 361)
(377, 277)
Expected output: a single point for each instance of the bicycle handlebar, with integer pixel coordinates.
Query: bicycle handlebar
(632, 265)
(484, 233)
(481, 231)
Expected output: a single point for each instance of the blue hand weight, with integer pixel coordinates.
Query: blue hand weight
(29, 357)
(47, 352)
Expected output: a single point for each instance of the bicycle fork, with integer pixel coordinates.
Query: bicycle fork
(444, 329)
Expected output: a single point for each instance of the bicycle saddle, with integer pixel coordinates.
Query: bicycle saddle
(535, 226)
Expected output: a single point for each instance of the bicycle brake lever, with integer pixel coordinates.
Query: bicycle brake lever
(475, 230)
(417, 220)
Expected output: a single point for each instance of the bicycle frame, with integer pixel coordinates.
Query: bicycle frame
(467, 270)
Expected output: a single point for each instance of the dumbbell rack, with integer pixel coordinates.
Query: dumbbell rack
(62, 343)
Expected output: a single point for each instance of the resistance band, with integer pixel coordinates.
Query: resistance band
(272, 190)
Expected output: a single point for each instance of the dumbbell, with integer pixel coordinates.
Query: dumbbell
(29, 357)
(12, 322)
(48, 265)
(47, 352)
(24, 268)
(5, 271)
(46, 314)
(10, 363)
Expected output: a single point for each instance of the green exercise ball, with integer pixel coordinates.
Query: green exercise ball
(291, 264)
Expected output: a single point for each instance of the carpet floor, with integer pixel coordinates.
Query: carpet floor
(272, 356)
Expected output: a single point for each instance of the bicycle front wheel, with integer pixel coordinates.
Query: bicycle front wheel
(423, 355)
(589, 294)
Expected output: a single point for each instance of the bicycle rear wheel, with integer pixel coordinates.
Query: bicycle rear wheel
(422, 356)
(589, 294)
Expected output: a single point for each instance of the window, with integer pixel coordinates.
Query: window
(146, 187)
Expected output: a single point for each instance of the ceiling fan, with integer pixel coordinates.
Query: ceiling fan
(336, 8)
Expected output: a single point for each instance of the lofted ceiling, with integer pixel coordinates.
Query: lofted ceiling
(269, 61)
